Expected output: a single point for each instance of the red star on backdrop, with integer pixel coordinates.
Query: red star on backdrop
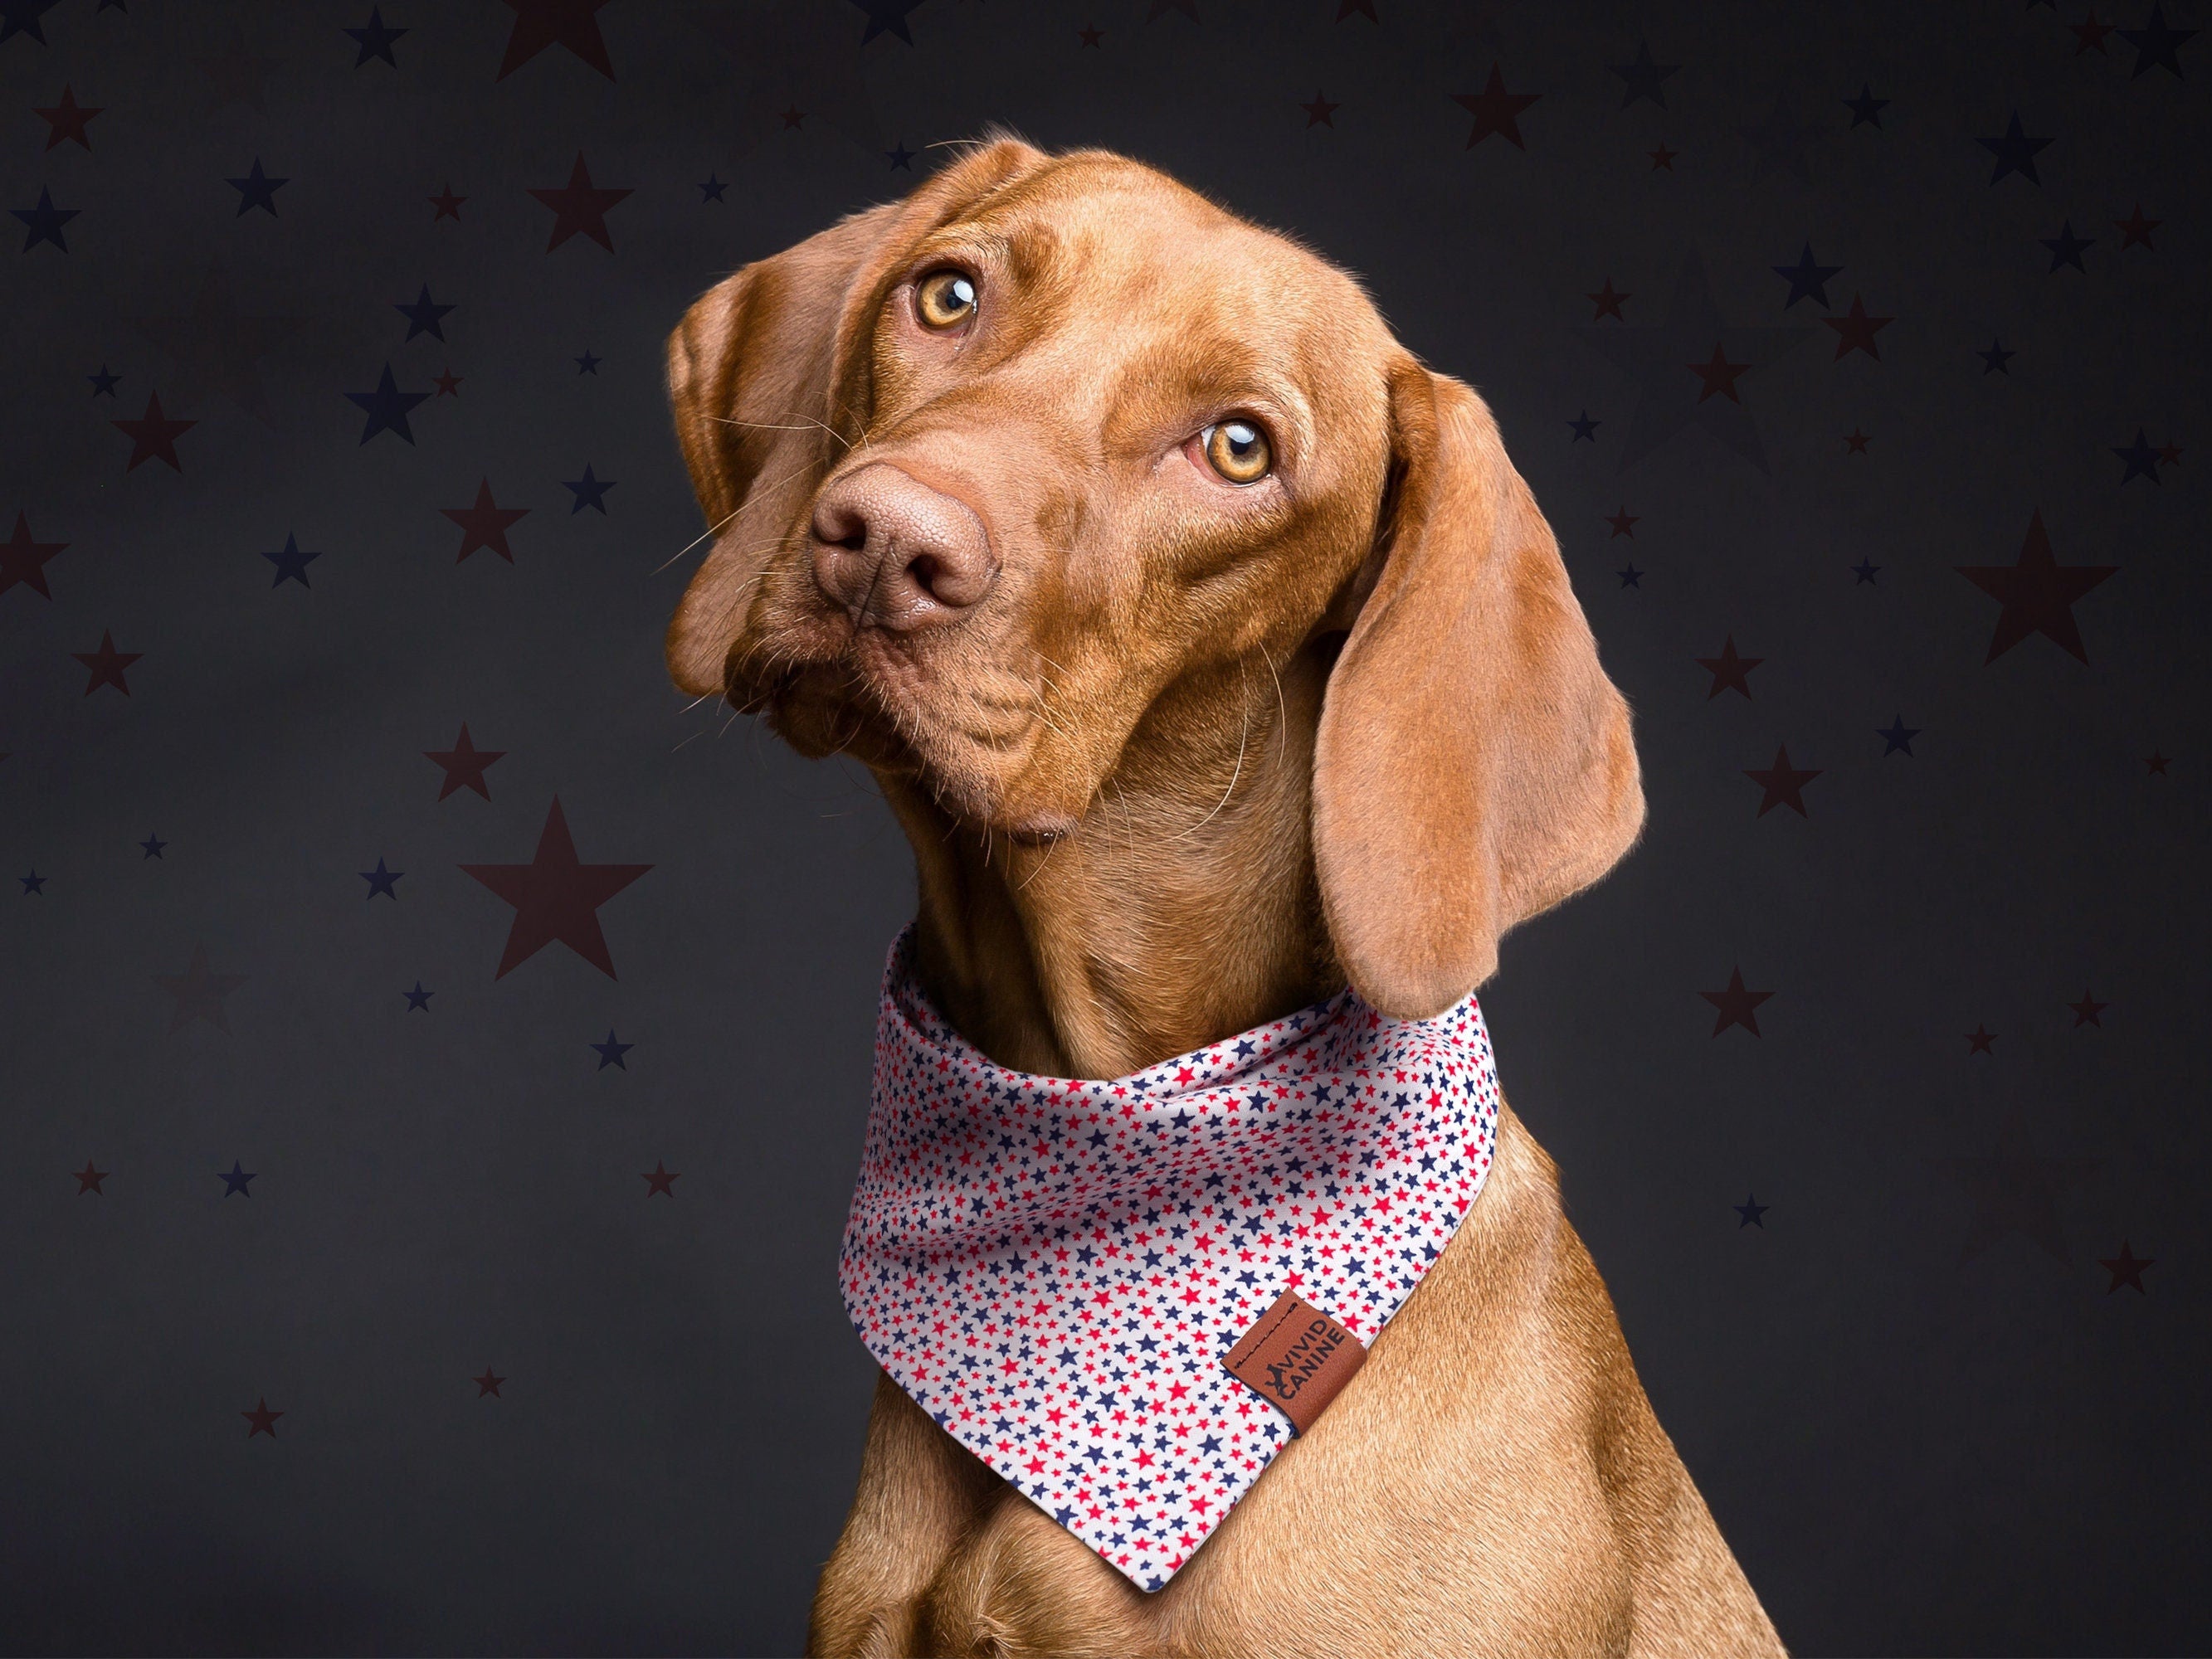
(2086, 1010)
(542, 23)
(484, 523)
(660, 1178)
(2126, 1268)
(2016, 1190)
(1719, 376)
(2136, 228)
(2038, 593)
(1730, 673)
(88, 1178)
(1608, 302)
(199, 991)
(465, 764)
(23, 560)
(1979, 1042)
(263, 1419)
(1855, 331)
(1736, 1004)
(1495, 110)
(154, 435)
(1783, 783)
(580, 206)
(556, 897)
(67, 121)
(2090, 34)
(106, 664)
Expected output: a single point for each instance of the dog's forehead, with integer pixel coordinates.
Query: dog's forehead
(1117, 266)
(1130, 236)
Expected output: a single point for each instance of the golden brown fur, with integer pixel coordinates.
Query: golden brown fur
(1202, 754)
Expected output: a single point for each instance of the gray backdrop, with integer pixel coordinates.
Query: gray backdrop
(1926, 1414)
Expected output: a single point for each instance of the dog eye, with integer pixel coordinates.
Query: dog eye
(1238, 450)
(944, 298)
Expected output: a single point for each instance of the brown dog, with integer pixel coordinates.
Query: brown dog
(1212, 654)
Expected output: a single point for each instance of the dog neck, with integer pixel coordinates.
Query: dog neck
(1182, 910)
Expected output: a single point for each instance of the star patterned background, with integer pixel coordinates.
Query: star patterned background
(436, 1052)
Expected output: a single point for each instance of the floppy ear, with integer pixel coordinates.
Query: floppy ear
(753, 372)
(1473, 764)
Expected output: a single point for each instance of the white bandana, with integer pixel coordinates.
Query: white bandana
(1059, 1270)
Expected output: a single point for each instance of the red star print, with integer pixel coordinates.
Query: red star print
(106, 664)
(580, 206)
(1736, 1004)
(1720, 375)
(465, 764)
(2126, 1268)
(1495, 110)
(556, 897)
(1783, 783)
(2136, 228)
(154, 435)
(23, 560)
(1730, 673)
(1855, 331)
(542, 23)
(68, 119)
(485, 524)
(1608, 302)
(2038, 593)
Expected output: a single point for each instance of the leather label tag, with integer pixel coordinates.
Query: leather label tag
(1298, 1358)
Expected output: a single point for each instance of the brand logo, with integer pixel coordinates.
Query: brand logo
(1303, 1359)
(1296, 1356)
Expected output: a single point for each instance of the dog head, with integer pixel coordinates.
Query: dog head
(991, 469)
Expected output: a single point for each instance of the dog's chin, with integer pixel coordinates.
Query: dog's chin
(812, 707)
(817, 709)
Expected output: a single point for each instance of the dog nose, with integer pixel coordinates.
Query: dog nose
(889, 549)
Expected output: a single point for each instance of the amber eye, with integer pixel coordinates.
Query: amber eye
(944, 298)
(1238, 450)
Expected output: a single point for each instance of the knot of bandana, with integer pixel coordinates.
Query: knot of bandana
(1056, 1268)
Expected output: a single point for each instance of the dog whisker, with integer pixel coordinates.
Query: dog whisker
(1243, 732)
(809, 425)
(710, 532)
(1282, 710)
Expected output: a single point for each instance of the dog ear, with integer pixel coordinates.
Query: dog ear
(1473, 764)
(754, 369)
